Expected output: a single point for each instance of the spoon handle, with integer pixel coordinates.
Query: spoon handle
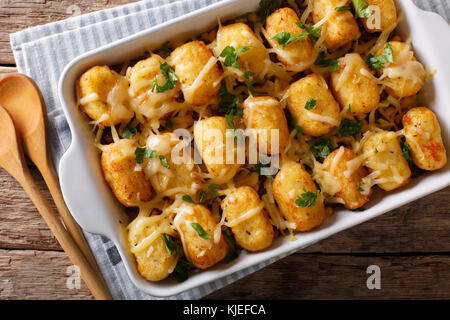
(72, 226)
(95, 285)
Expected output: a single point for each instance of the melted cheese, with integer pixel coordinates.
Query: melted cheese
(322, 118)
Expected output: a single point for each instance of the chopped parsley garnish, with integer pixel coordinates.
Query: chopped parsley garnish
(231, 56)
(350, 127)
(258, 169)
(375, 151)
(405, 152)
(359, 188)
(249, 75)
(188, 198)
(342, 8)
(169, 124)
(269, 6)
(182, 269)
(165, 48)
(229, 106)
(307, 199)
(233, 252)
(212, 190)
(200, 231)
(313, 32)
(349, 109)
(144, 153)
(129, 131)
(323, 148)
(323, 62)
(361, 9)
(171, 79)
(285, 38)
(203, 196)
(377, 62)
(310, 104)
(171, 245)
(164, 162)
(292, 124)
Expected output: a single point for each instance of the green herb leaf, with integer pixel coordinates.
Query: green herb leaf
(285, 38)
(164, 162)
(233, 252)
(188, 198)
(361, 9)
(269, 6)
(200, 231)
(292, 124)
(349, 110)
(171, 78)
(129, 132)
(203, 196)
(231, 56)
(310, 104)
(313, 32)
(323, 148)
(375, 151)
(257, 168)
(169, 124)
(307, 199)
(144, 153)
(171, 245)
(182, 269)
(229, 106)
(406, 152)
(359, 188)
(248, 74)
(212, 189)
(350, 127)
(342, 8)
(323, 62)
(165, 48)
(378, 62)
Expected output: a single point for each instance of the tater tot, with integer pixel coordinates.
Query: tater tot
(340, 28)
(297, 55)
(383, 157)
(249, 222)
(118, 164)
(405, 76)
(290, 183)
(324, 116)
(154, 262)
(210, 138)
(354, 85)
(103, 95)
(180, 175)
(345, 166)
(202, 251)
(386, 19)
(197, 71)
(141, 77)
(423, 135)
(239, 35)
(265, 114)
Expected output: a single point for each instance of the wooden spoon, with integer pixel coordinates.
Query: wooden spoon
(23, 100)
(13, 161)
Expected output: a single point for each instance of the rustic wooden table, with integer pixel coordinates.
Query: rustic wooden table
(411, 245)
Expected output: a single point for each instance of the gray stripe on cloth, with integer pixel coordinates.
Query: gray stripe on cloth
(42, 52)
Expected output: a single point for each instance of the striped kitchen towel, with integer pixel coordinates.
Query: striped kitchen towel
(42, 52)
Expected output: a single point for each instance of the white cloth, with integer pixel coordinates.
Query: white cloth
(42, 52)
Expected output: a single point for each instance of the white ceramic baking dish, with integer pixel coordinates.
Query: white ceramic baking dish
(95, 208)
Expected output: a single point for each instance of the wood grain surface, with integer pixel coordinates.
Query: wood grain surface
(411, 244)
